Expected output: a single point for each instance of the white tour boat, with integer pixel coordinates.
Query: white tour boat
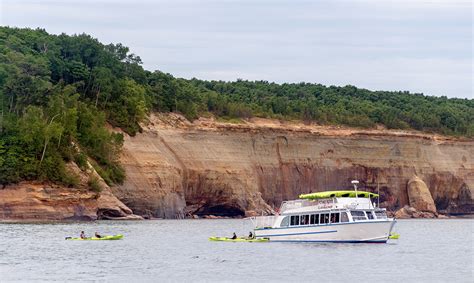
(331, 216)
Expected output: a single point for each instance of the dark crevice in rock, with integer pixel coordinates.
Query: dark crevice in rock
(442, 203)
(106, 214)
(221, 210)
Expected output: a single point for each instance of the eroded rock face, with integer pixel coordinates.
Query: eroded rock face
(110, 208)
(419, 195)
(176, 168)
(411, 212)
(29, 201)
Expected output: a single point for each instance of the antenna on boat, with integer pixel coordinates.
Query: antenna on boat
(378, 193)
(355, 182)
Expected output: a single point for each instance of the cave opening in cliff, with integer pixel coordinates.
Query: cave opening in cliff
(221, 210)
(108, 214)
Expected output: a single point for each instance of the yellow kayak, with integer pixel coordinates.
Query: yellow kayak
(103, 238)
(225, 239)
(394, 236)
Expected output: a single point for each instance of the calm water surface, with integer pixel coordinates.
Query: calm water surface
(178, 250)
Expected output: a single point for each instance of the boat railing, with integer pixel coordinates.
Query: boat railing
(263, 221)
(351, 205)
(294, 204)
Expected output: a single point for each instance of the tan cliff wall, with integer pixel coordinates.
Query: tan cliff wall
(175, 167)
(31, 201)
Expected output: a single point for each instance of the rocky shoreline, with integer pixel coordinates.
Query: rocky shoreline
(40, 203)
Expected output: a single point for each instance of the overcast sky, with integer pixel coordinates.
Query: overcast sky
(420, 46)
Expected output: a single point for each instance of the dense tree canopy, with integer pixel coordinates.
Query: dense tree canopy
(57, 92)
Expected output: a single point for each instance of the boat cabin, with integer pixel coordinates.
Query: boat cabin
(327, 217)
(328, 211)
(326, 208)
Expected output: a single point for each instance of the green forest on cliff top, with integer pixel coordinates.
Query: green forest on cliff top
(58, 92)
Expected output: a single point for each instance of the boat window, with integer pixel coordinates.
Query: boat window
(358, 215)
(344, 217)
(295, 220)
(335, 217)
(324, 218)
(285, 221)
(369, 214)
(381, 215)
(314, 219)
(304, 219)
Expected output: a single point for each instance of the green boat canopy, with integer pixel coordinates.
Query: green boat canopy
(338, 194)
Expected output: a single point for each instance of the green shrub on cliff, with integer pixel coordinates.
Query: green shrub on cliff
(94, 184)
(58, 92)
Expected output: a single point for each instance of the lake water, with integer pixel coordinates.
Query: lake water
(178, 250)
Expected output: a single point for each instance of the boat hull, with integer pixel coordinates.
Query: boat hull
(352, 232)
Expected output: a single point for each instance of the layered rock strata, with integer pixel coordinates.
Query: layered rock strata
(29, 201)
(32, 201)
(176, 168)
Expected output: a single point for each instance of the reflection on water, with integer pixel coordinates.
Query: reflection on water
(428, 250)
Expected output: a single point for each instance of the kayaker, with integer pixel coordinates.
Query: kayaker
(83, 235)
(250, 235)
(234, 236)
(97, 235)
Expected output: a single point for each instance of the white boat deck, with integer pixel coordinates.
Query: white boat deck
(303, 205)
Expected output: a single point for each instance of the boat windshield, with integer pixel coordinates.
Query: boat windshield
(358, 215)
(381, 214)
(369, 214)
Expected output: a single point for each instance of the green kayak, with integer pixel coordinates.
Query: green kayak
(103, 238)
(225, 239)
(337, 194)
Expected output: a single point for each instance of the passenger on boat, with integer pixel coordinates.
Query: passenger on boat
(97, 235)
(326, 218)
(83, 235)
(234, 236)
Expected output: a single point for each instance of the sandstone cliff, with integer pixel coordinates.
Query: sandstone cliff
(30, 201)
(176, 168)
(419, 195)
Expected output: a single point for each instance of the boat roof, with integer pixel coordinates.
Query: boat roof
(337, 194)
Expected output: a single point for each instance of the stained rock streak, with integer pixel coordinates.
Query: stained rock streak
(176, 168)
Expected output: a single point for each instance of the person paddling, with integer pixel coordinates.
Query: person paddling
(234, 236)
(83, 235)
(97, 235)
(251, 235)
